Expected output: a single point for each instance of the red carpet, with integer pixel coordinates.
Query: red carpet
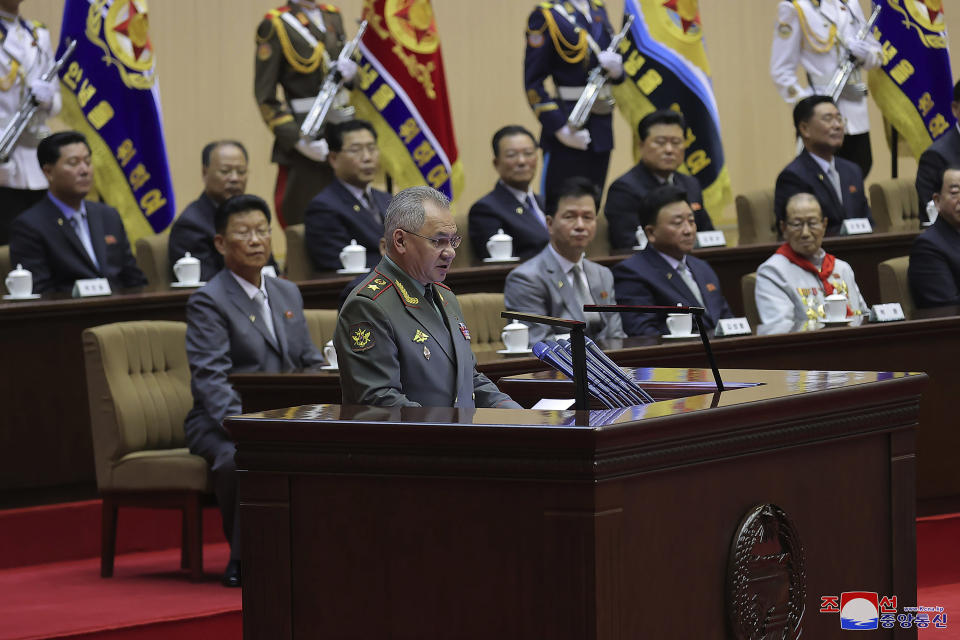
(35, 535)
(147, 598)
(938, 570)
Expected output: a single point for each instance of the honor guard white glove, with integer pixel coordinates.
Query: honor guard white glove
(43, 92)
(861, 50)
(574, 139)
(7, 171)
(347, 69)
(612, 63)
(315, 149)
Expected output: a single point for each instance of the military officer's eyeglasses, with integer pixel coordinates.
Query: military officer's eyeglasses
(439, 243)
(797, 225)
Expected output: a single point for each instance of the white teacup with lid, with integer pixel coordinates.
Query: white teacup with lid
(500, 246)
(187, 269)
(19, 282)
(641, 236)
(354, 256)
(835, 305)
(330, 353)
(515, 336)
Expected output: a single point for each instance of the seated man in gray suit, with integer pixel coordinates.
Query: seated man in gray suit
(559, 280)
(239, 322)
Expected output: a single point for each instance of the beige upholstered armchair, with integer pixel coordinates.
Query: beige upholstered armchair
(4, 265)
(153, 260)
(299, 266)
(894, 286)
(895, 205)
(481, 313)
(138, 384)
(756, 217)
(320, 324)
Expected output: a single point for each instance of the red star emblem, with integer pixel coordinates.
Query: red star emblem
(418, 17)
(135, 29)
(687, 10)
(934, 9)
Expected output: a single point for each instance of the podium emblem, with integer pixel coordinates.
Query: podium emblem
(766, 580)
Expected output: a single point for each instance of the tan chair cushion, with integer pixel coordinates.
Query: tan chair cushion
(895, 205)
(600, 246)
(138, 385)
(465, 255)
(321, 324)
(299, 266)
(164, 468)
(153, 260)
(481, 313)
(5, 267)
(894, 286)
(756, 217)
(748, 285)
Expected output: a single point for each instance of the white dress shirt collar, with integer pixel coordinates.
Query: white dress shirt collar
(824, 165)
(565, 264)
(521, 196)
(251, 289)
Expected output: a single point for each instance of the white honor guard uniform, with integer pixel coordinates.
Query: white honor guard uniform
(788, 294)
(25, 55)
(817, 34)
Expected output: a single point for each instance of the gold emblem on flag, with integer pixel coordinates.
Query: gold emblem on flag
(412, 24)
(124, 37)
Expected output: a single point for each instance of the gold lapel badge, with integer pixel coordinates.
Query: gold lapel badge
(420, 336)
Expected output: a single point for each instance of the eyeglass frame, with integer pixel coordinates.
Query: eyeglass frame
(453, 241)
(246, 236)
(815, 225)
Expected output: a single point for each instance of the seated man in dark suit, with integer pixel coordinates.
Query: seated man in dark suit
(348, 208)
(662, 135)
(835, 182)
(64, 238)
(224, 175)
(512, 205)
(943, 153)
(934, 271)
(239, 322)
(665, 273)
(559, 280)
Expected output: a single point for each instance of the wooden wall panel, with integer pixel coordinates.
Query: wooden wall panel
(205, 64)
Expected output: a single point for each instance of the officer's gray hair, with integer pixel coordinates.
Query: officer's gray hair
(406, 210)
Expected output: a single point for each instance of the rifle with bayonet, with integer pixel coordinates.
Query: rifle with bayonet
(324, 102)
(595, 81)
(28, 107)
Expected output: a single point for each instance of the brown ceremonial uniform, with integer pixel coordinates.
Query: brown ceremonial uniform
(294, 52)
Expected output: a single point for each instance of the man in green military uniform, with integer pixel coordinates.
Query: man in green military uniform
(401, 338)
(297, 45)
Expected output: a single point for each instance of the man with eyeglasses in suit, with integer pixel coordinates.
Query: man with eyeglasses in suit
(793, 282)
(836, 183)
(401, 337)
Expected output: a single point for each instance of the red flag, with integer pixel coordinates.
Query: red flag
(402, 91)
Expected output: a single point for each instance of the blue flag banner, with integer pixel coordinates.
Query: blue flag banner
(666, 67)
(110, 94)
(914, 85)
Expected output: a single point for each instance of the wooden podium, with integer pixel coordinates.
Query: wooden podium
(365, 522)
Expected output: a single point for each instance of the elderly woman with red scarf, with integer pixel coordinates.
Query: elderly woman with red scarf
(793, 282)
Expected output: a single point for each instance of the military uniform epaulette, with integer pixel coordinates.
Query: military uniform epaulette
(37, 24)
(329, 8)
(374, 286)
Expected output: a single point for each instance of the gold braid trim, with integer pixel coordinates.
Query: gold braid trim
(568, 52)
(817, 43)
(7, 82)
(298, 62)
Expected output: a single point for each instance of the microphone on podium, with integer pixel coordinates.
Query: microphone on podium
(551, 354)
(594, 376)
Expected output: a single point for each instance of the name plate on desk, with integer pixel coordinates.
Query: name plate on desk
(732, 327)
(855, 226)
(711, 239)
(890, 312)
(89, 287)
